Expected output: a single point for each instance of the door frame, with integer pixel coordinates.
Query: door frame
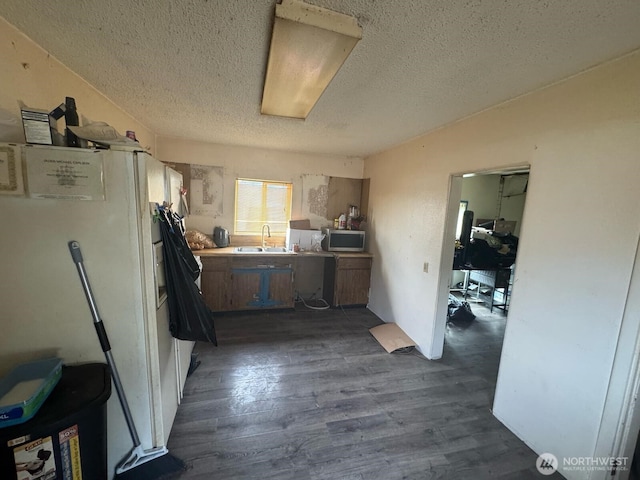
(436, 347)
(620, 421)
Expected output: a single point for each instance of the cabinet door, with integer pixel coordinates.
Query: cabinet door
(280, 289)
(215, 277)
(245, 289)
(214, 290)
(261, 288)
(352, 287)
(352, 279)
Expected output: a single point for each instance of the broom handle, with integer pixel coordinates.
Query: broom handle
(76, 255)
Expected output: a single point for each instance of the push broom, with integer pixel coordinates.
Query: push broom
(139, 464)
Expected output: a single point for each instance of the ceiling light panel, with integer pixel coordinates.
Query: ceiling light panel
(309, 44)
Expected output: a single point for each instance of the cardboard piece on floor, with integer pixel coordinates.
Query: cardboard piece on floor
(391, 337)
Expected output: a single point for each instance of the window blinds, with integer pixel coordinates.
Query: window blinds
(259, 202)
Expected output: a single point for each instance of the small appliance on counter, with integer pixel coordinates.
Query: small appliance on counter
(343, 240)
(302, 238)
(221, 237)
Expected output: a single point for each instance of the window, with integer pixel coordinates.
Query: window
(259, 202)
(462, 209)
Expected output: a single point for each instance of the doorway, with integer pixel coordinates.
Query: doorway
(479, 260)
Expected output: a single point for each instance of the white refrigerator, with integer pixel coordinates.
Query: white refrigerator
(104, 200)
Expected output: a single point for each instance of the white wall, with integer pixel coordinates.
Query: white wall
(579, 232)
(248, 162)
(31, 75)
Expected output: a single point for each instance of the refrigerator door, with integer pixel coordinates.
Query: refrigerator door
(167, 354)
(44, 309)
(182, 348)
(161, 359)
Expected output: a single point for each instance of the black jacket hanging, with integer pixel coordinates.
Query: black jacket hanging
(189, 316)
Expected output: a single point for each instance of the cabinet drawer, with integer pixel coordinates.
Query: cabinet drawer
(262, 261)
(344, 263)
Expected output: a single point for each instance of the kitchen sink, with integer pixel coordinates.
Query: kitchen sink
(274, 250)
(259, 250)
(247, 250)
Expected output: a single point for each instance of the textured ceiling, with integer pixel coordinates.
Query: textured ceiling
(195, 68)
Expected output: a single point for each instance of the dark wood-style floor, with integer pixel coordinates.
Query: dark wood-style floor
(310, 394)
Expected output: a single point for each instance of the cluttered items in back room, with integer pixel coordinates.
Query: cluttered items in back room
(482, 248)
(459, 311)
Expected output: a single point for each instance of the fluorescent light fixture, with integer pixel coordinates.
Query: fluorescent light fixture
(309, 44)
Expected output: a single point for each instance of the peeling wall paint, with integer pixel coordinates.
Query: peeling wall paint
(317, 199)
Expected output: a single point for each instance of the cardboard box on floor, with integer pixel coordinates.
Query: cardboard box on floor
(391, 337)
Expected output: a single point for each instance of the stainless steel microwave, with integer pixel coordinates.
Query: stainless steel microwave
(343, 240)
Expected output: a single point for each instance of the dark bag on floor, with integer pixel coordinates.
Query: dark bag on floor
(459, 311)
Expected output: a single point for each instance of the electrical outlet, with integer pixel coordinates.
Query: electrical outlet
(425, 267)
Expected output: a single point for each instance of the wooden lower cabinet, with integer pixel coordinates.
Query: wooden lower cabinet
(261, 288)
(215, 279)
(245, 289)
(263, 282)
(281, 288)
(247, 283)
(347, 280)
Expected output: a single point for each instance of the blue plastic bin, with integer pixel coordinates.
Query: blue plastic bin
(25, 389)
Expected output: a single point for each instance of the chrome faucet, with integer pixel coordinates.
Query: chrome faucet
(264, 245)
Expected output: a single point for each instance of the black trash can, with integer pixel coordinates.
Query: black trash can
(67, 438)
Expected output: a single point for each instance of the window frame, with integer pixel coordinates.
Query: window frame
(265, 185)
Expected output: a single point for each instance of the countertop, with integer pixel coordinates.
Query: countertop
(228, 251)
